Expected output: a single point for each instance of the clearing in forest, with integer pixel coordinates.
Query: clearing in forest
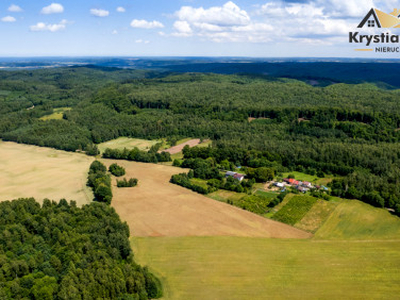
(155, 207)
(178, 148)
(31, 171)
(128, 143)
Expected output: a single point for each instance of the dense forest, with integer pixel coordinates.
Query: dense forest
(60, 251)
(350, 130)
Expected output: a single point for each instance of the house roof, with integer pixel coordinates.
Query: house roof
(237, 175)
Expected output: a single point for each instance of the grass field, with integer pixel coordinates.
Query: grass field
(255, 268)
(200, 182)
(129, 143)
(353, 219)
(269, 195)
(157, 207)
(301, 176)
(224, 195)
(310, 178)
(30, 171)
(56, 115)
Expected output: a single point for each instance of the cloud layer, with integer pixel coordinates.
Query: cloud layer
(278, 21)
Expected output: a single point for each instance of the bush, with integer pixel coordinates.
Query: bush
(116, 170)
(177, 163)
(127, 183)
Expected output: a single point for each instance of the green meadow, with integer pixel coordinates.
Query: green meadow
(354, 254)
(256, 268)
(354, 219)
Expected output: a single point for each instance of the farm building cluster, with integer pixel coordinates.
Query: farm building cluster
(302, 186)
(235, 175)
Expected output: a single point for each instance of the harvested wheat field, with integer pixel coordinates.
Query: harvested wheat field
(30, 171)
(178, 148)
(158, 208)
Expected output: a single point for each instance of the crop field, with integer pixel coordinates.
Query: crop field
(256, 268)
(30, 171)
(295, 209)
(129, 143)
(156, 207)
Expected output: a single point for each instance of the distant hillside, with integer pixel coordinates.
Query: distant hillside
(316, 71)
(332, 71)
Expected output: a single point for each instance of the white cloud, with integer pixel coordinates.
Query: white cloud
(121, 9)
(183, 27)
(227, 23)
(227, 15)
(146, 24)
(279, 9)
(14, 8)
(99, 12)
(54, 8)
(209, 27)
(347, 8)
(115, 32)
(49, 27)
(8, 19)
(140, 41)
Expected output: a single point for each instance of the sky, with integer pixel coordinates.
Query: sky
(303, 28)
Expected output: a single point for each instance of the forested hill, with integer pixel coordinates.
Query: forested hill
(317, 71)
(320, 73)
(350, 130)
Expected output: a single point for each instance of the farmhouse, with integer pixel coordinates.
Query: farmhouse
(279, 184)
(307, 184)
(235, 175)
(291, 181)
(302, 189)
